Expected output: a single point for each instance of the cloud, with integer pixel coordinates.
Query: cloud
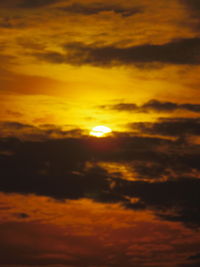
(96, 8)
(180, 52)
(12, 22)
(194, 5)
(195, 257)
(36, 3)
(170, 126)
(158, 106)
(122, 107)
(164, 174)
(174, 200)
(193, 9)
(33, 133)
(27, 3)
(153, 105)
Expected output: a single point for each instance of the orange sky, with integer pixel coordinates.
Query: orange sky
(42, 67)
(131, 198)
(85, 233)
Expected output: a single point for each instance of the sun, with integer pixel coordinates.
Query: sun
(100, 131)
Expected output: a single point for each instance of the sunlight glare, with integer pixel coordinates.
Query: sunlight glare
(100, 131)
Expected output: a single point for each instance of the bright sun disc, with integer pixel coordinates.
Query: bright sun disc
(100, 131)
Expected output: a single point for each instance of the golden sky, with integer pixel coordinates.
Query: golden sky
(68, 58)
(68, 198)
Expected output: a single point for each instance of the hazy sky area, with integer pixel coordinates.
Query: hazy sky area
(132, 197)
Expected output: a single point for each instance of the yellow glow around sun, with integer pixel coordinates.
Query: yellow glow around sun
(100, 131)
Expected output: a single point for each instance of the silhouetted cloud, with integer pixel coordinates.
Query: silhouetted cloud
(96, 8)
(194, 5)
(163, 178)
(36, 3)
(170, 126)
(153, 105)
(156, 105)
(27, 3)
(181, 51)
(52, 57)
(194, 257)
(122, 107)
(175, 200)
(193, 10)
(190, 264)
(30, 132)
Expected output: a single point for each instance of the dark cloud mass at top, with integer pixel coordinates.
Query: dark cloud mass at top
(27, 3)
(193, 10)
(95, 8)
(36, 3)
(180, 52)
(194, 5)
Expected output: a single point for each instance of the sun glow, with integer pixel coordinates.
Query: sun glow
(100, 131)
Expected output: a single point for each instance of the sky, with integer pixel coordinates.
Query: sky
(130, 197)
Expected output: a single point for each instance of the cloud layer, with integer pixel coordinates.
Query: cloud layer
(161, 177)
(98, 7)
(180, 52)
(154, 105)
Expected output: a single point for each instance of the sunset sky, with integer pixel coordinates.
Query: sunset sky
(132, 196)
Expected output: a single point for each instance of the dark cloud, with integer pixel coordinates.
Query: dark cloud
(36, 3)
(195, 257)
(96, 8)
(54, 168)
(153, 105)
(193, 10)
(182, 51)
(12, 22)
(158, 106)
(165, 179)
(22, 215)
(52, 57)
(27, 3)
(175, 200)
(194, 5)
(170, 127)
(190, 264)
(122, 107)
(190, 107)
(30, 132)
(16, 125)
